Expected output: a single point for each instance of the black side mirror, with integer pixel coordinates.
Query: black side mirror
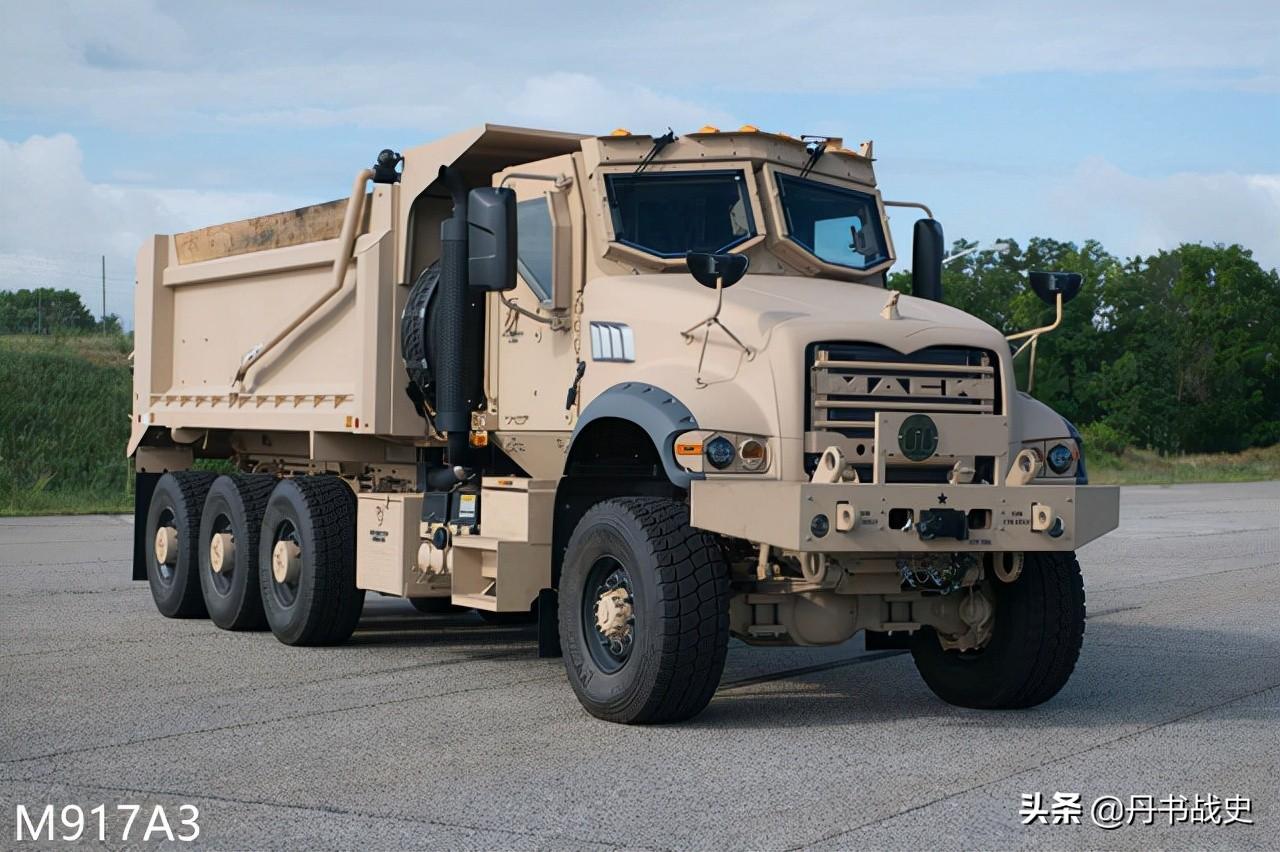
(706, 268)
(1047, 285)
(491, 239)
(926, 260)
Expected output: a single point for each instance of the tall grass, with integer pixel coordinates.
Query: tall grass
(64, 422)
(1146, 467)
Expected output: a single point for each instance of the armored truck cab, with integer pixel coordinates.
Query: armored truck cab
(649, 391)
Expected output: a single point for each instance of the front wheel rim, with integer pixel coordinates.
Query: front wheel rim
(608, 614)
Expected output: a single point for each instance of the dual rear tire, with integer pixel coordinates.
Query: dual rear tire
(254, 551)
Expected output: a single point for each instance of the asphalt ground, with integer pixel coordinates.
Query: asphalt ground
(445, 732)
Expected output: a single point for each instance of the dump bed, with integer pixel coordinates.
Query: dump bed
(317, 325)
(207, 298)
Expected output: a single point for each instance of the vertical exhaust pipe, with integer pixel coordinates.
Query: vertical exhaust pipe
(458, 347)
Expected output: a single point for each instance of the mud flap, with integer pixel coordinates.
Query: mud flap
(144, 485)
(548, 624)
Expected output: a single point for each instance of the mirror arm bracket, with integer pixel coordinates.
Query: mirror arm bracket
(916, 204)
(1036, 332)
(553, 320)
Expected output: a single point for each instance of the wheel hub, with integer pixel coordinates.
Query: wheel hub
(166, 545)
(613, 614)
(608, 614)
(286, 562)
(222, 551)
(977, 611)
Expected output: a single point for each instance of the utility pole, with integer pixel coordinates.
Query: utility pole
(39, 311)
(104, 294)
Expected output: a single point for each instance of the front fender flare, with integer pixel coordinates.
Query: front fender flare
(660, 414)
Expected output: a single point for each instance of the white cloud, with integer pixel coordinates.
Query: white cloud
(138, 66)
(584, 103)
(50, 210)
(1132, 214)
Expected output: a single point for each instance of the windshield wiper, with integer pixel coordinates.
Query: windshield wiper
(659, 142)
(816, 146)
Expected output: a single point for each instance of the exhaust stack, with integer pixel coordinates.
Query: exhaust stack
(458, 348)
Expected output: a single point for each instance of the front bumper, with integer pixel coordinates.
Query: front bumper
(858, 516)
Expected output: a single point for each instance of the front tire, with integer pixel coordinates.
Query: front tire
(229, 529)
(661, 591)
(173, 535)
(1036, 639)
(307, 561)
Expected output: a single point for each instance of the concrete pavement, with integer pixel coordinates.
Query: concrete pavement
(445, 732)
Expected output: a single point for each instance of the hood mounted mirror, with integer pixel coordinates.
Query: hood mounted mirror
(1048, 285)
(715, 272)
(712, 270)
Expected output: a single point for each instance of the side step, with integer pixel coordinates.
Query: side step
(498, 576)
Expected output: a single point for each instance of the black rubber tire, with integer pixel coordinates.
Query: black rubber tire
(179, 499)
(1035, 641)
(435, 606)
(680, 593)
(417, 332)
(323, 606)
(234, 598)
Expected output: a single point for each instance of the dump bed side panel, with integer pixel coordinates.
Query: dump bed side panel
(337, 372)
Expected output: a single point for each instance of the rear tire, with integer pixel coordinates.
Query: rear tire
(176, 505)
(309, 530)
(234, 507)
(670, 584)
(1035, 641)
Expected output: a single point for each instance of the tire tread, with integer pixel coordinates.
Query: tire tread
(193, 486)
(693, 598)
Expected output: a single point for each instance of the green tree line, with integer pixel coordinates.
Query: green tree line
(45, 310)
(1176, 352)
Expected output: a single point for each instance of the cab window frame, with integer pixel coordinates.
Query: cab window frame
(543, 290)
(793, 252)
(615, 249)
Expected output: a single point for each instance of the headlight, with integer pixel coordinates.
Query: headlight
(722, 452)
(1060, 458)
(754, 454)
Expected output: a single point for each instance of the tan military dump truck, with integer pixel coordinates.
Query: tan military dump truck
(651, 391)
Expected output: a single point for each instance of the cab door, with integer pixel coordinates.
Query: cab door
(530, 333)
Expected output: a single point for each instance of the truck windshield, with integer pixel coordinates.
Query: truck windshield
(670, 213)
(837, 225)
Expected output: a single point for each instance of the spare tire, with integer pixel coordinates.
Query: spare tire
(417, 331)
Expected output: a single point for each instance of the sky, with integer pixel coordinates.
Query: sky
(1139, 124)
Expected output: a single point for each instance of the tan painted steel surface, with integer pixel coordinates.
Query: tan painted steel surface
(331, 395)
(781, 513)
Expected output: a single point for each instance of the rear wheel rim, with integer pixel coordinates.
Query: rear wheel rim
(165, 572)
(286, 593)
(605, 578)
(223, 580)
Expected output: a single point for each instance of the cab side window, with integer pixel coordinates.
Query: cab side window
(535, 245)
